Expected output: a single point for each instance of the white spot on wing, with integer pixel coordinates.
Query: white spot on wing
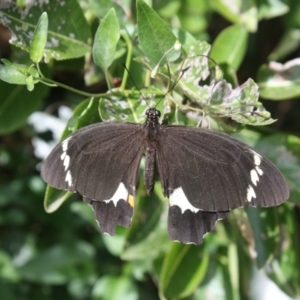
(66, 162)
(62, 157)
(250, 193)
(179, 198)
(69, 178)
(257, 157)
(254, 177)
(120, 194)
(259, 171)
(255, 174)
(64, 144)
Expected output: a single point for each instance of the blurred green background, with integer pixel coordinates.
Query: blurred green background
(254, 255)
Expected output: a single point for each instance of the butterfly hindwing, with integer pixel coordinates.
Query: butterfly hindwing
(190, 227)
(109, 215)
(101, 163)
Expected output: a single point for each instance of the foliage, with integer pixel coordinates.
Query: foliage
(166, 49)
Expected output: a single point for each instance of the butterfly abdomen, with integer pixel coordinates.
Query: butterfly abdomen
(150, 169)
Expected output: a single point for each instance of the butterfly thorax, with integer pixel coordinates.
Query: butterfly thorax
(152, 124)
(153, 116)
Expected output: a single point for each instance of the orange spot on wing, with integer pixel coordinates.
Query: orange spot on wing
(131, 200)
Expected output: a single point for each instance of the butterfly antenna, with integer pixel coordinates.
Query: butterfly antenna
(173, 86)
(131, 78)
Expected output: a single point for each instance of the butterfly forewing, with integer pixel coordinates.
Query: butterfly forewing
(101, 163)
(215, 172)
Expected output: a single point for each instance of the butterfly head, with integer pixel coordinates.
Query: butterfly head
(153, 116)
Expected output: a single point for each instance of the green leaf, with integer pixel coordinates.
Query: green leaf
(67, 38)
(240, 104)
(217, 286)
(115, 244)
(192, 15)
(197, 69)
(54, 198)
(116, 109)
(230, 46)
(155, 38)
(30, 83)
(17, 103)
(130, 110)
(8, 269)
(266, 231)
(10, 72)
(184, 37)
(102, 7)
(115, 288)
(85, 212)
(11, 75)
(39, 39)
(86, 113)
(184, 268)
(57, 263)
(220, 99)
(106, 39)
(288, 43)
(280, 81)
(149, 227)
(271, 9)
(240, 12)
(17, 73)
(282, 268)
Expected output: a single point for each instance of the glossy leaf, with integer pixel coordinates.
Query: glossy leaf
(39, 39)
(106, 39)
(56, 263)
(240, 104)
(271, 9)
(280, 81)
(132, 109)
(114, 288)
(155, 38)
(266, 232)
(30, 83)
(217, 286)
(196, 70)
(183, 269)
(282, 268)
(55, 198)
(10, 75)
(101, 7)
(288, 44)
(240, 12)
(230, 46)
(149, 227)
(85, 212)
(17, 103)
(67, 38)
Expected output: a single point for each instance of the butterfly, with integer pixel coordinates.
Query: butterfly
(204, 173)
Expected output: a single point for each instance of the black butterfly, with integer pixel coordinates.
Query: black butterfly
(204, 173)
